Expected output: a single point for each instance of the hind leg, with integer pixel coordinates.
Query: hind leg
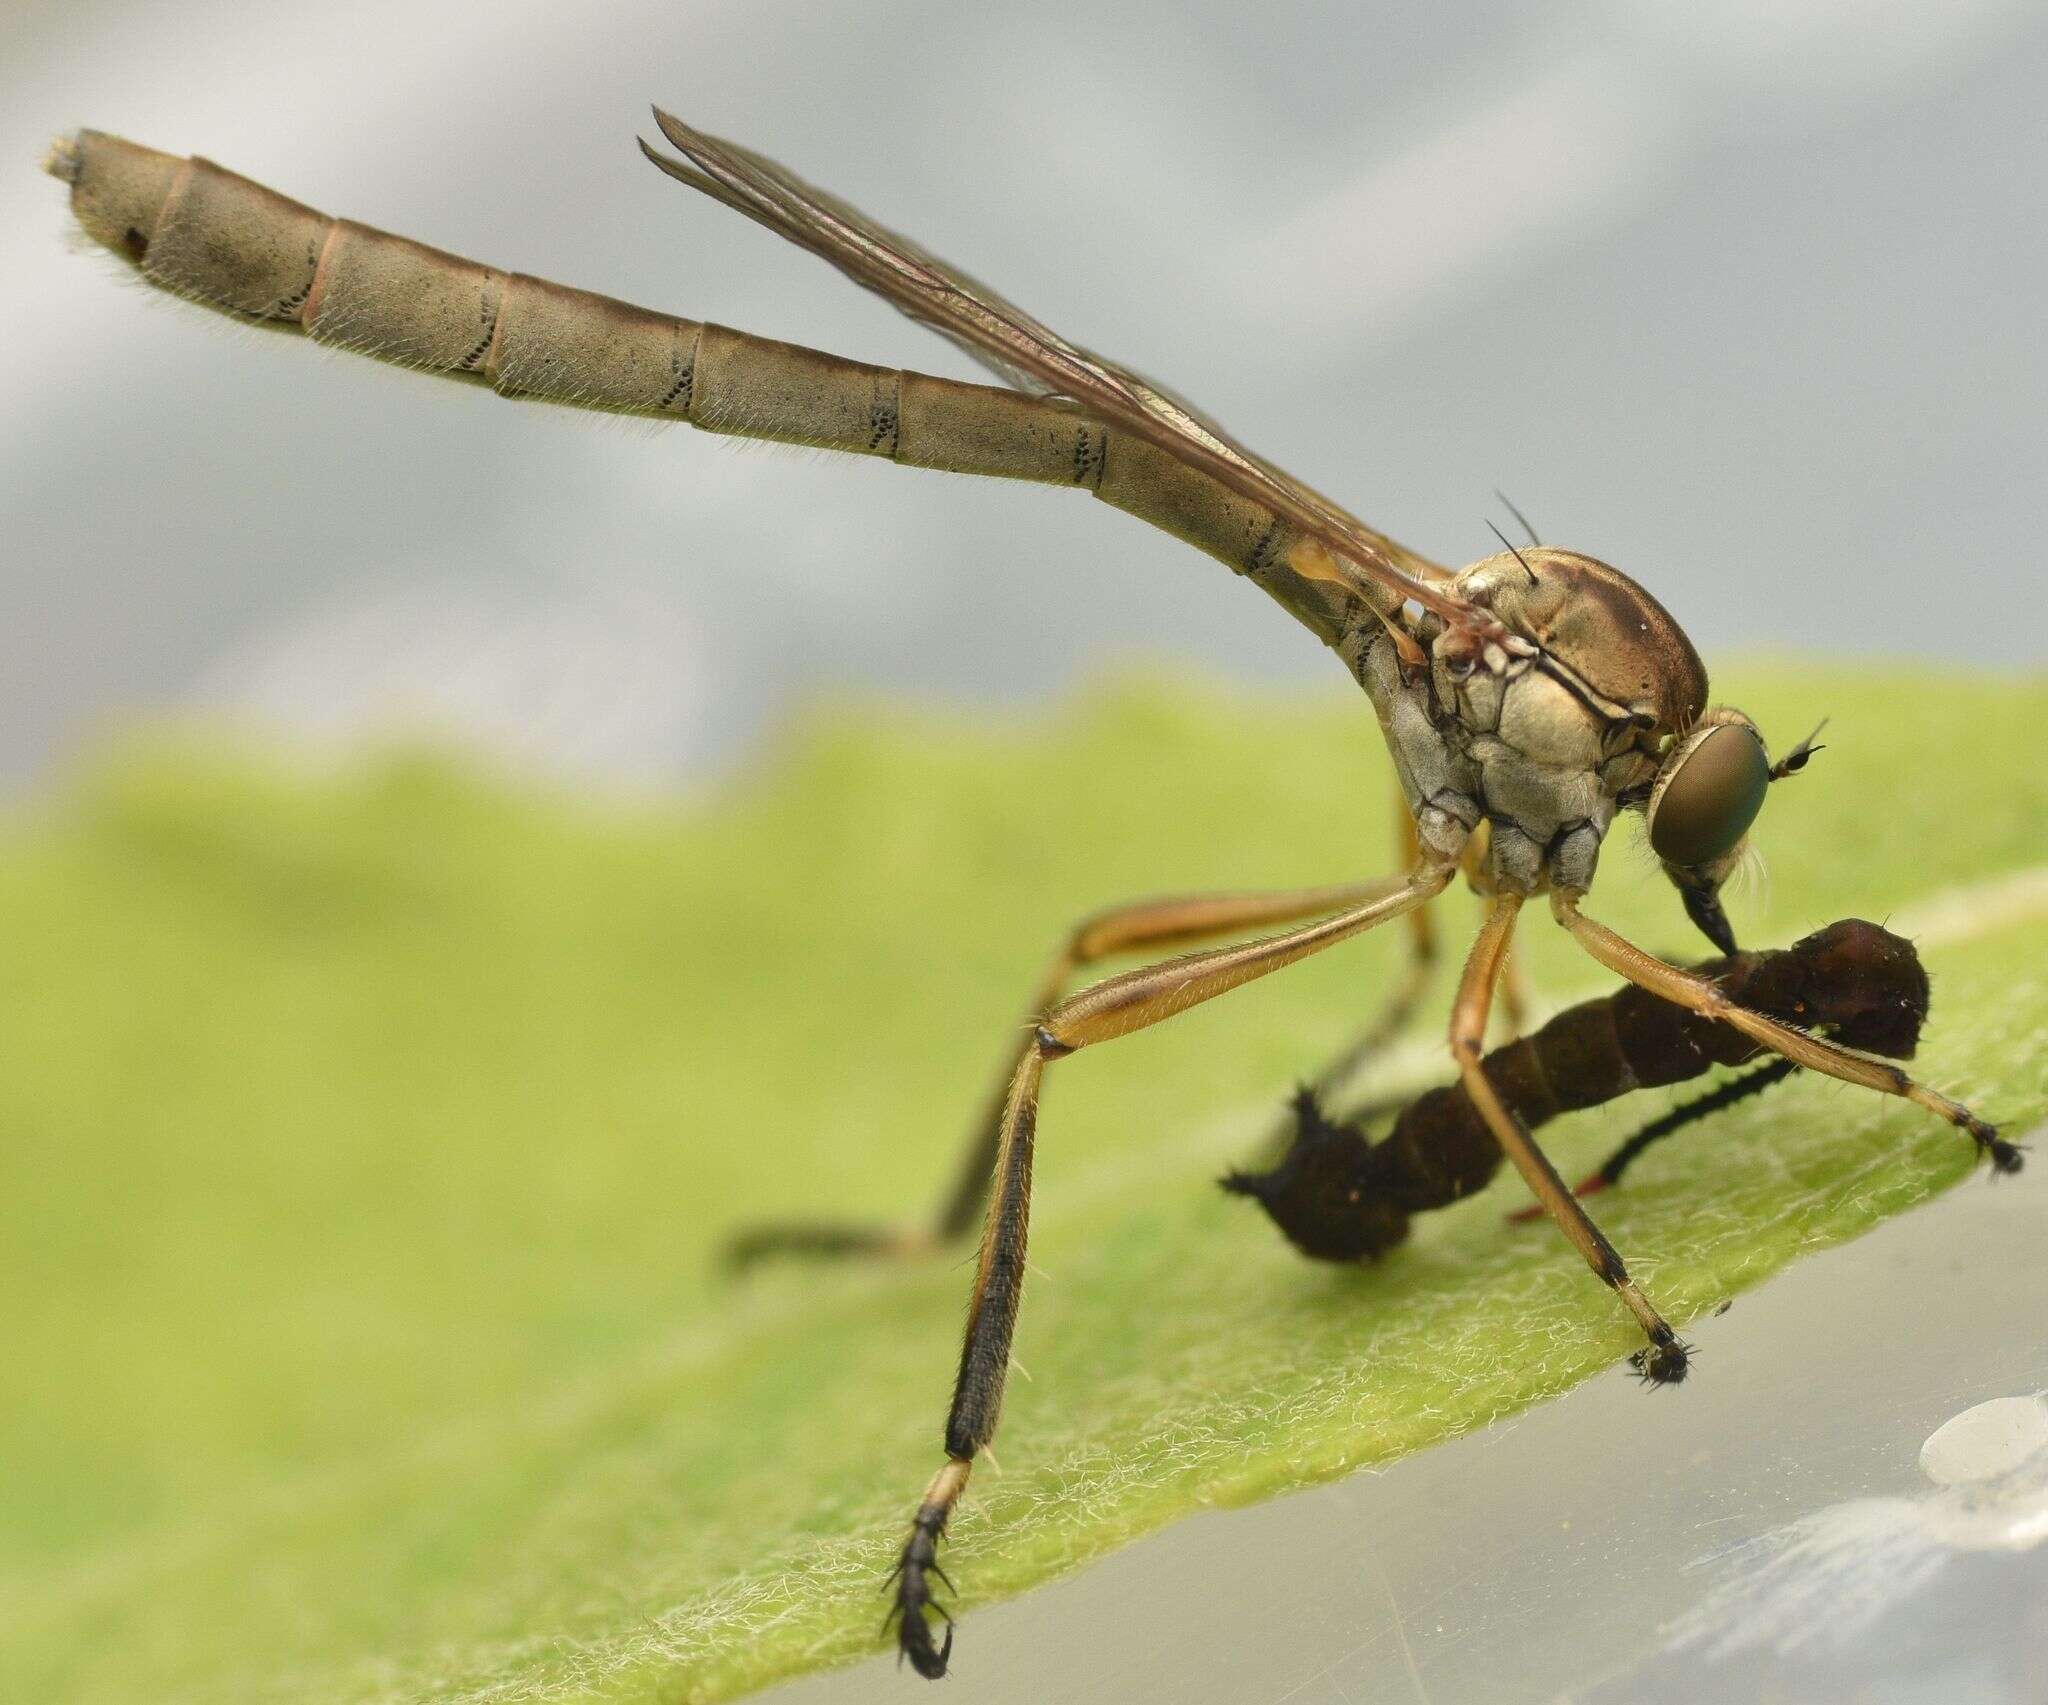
(1168, 922)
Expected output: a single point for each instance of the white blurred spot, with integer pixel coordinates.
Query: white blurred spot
(1985, 1441)
(1824, 1580)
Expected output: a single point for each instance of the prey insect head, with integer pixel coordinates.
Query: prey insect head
(1708, 791)
(1864, 985)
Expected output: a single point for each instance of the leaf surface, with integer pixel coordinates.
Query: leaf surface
(371, 1139)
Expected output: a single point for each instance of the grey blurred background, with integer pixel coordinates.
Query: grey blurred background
(1745, 297)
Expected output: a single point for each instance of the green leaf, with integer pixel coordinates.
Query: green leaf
(371, 1138)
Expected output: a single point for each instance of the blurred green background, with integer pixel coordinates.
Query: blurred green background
(372, 1131)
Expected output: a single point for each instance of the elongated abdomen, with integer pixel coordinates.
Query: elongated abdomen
(224, 241)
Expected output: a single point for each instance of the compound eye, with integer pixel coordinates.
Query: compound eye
(1710, 795)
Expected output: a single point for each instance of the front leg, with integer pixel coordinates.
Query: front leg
(1699, 994)
(1115, 1007)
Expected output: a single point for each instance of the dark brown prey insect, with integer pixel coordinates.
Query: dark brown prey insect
(1340, 1197)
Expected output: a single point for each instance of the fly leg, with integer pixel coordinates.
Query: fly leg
(1514, 996)
(1392, 1017)
(1327, 1086)
(1175, 921)
(1395, 1012)
(1131, 1000)
(1513, 993)
(1699, 994)
(1664, 1360)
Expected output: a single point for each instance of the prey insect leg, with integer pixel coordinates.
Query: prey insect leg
(1726, 1095)
(1173, 921)
(1608, 1173)
(1132, 1000)
(1699, 994)
(1664, 1360)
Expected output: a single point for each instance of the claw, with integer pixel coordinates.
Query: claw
(1662, 1364)
(928, 1661)
(914, 1632)
(917, 1566)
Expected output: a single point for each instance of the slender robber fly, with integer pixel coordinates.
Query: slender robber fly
(1525, 700)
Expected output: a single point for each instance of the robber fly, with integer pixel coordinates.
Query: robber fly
(1526, 700)
(1337, 1195)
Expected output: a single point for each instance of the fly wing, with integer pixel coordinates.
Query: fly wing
(852, 219)
(1031, 356)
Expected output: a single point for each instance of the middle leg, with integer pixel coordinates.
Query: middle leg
(1663, 1362)
(1399, 1006)
(1395, 1010)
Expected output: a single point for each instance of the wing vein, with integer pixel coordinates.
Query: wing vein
(1031, 356)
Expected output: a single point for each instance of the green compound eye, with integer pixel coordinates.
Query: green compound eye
(1709, 796)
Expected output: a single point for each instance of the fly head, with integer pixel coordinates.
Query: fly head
(1709, 789)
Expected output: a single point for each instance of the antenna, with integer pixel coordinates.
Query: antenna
(1521, 520)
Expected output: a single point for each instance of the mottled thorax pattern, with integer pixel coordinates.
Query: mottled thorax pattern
(1541, 749)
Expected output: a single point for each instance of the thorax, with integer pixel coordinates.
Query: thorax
(1518, 748)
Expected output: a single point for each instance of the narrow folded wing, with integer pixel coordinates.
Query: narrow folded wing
(1030, 356)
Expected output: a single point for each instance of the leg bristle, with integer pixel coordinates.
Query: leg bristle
(1662, 1363)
